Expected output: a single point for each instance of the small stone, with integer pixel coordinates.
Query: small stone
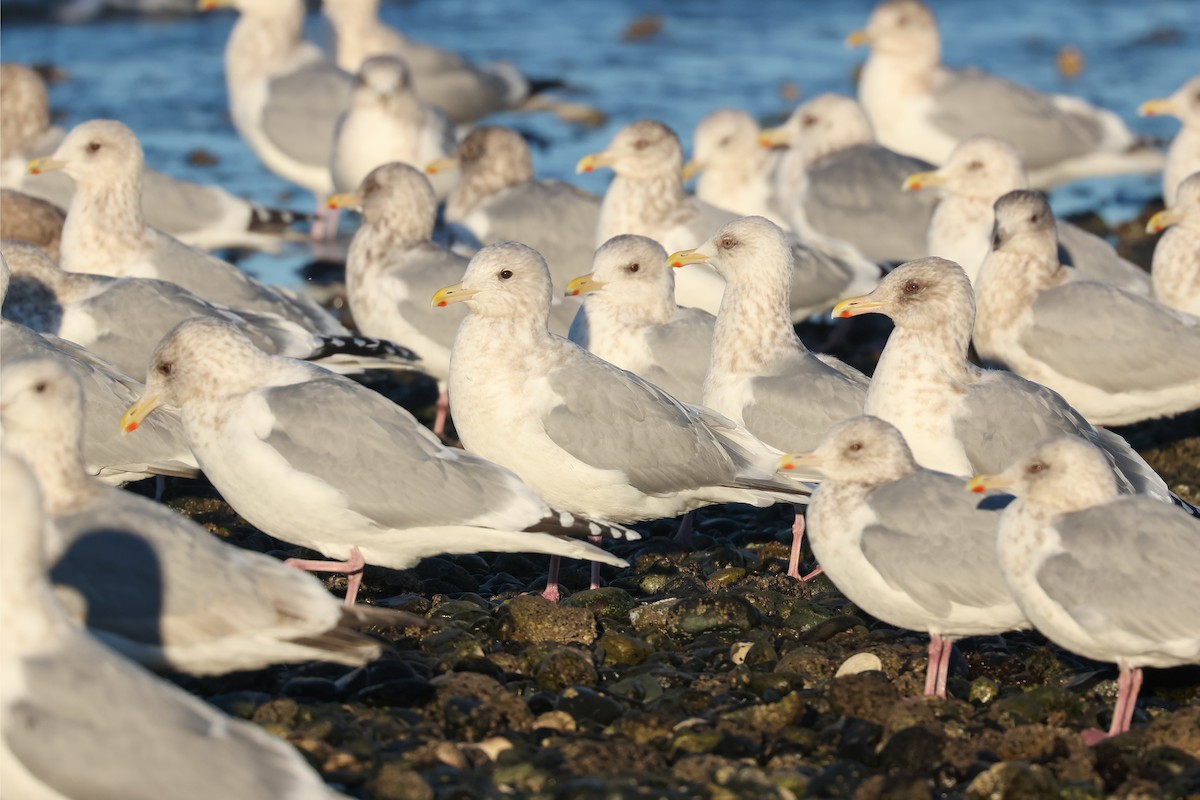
(1013, 780)
(585, 704)
(532, 618)
(652, 616)
(643, 28)
(983, 690)
(869, 695)
(726, 576)
(607, 602)
(622, 649)
(559, 721)
(395, 781)
(202, 158)
(282, 711)
(714, 612)
(563, 667)
(912, 751)
(859, 662)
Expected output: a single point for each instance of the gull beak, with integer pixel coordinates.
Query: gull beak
(344, 200)
(854, 306)
(137, 412)
(209, 5)
(982, 483)
(919, 180)
(452, 294)
(1161, 107)
(774, 137)
(1163, 220)
(685, 257)
(593, 162)
(690, 169)
(39, 165)
(858, 38)
(448, 164)
(584, 284)
(789, 462)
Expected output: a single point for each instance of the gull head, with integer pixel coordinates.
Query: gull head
(899, 27)
(750, 251)
(507, 280)
(1064, 475)
(981, 167)
(40, 402)
(496, 152)
(930, 294)
(725, 138)
(382, 79)
(1183, 104)
(1184, 211)
(1025, 224)
(858, 450)
(632, 271)
(645, 149)
(96, 153)
(828, 123)
(24, 109)
(394, 196)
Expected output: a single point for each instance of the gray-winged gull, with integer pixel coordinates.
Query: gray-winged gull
(1115, 356)
(735, 173)
(835, 181)
(198, 214)
(1110, 577)
(923, 109)
(630, 319)
(107, 234)
(81, 721)
(647, 198)
(317, 460)
(1175, 270)
(956, 417)
(979, 172)
(907, 545)
(497, 199)
(150, 582)
(1183, 156)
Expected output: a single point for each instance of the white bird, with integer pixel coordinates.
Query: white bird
(1183, 156)
(1107, 576)
(835, 181)
(1115, 356)
(924, 109)
(81, 721)
(979, 172)
(1175, 269)
(907, 545)
(107, 234)
(201, 215)
(317, 460)
(735, 172)
(148, 581)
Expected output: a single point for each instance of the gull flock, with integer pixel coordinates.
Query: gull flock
(605, 361)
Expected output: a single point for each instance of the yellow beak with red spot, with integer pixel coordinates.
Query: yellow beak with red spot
(1159, 107)
(691, 169)
(985, 483)
(1163, 220)
(853, 306)
(448, 164)
(858, 38)
(789, 462)
(774, 137)
(685, 257)
(593, 162)
(584, 284)
(452, 294)
(919, 180)
(350, 200)
(137, 412)
(209, 5)
(39, 165)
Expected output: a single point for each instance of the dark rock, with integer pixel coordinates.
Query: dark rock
(399, 693)
(1014, 780)
(396, 781)
(869, 695)
(607, 602)
(715, 612)
(840, 779)
(533, 618)
(912, 751)
(563, 667)
(311, 688)
(615, 648)
(586, 704)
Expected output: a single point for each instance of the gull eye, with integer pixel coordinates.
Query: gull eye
(725, 142)
(634, 267)
(855, 447)
(505, 274)
(728, 243)
(40, 387)
(641, 144)
(975, 165)
(912, 287)
(808, 120)
(93, 147)
(902, 22)
(1036, 467)
(165, 369)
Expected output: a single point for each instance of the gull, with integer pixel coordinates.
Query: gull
(924, 109)
(148, 581)
(956, 417)
(1175, 270)
(979, 172)
(1104, 575)
(735, 173)
(80, 720)
(32, 220)
(200, 215)
(647, 198)
(497, 199)
(1117, 357)
(629, 318)
(385, 123)
(317, 460)
(907, 545)
(106, 233)
(835, 181)
(93, 311)
(1183, 156)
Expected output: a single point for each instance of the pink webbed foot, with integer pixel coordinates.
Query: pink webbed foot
(794, 559)
(551, 592)
(352, 568)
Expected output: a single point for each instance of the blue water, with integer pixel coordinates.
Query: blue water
(165, 78)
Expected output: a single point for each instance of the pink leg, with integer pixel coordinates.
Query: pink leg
(324, 227)
(596, 540)
(943, 669)
(1134, 686)
(683, 536)
(551, 590)
(353, 568)
(443, 408)
(931, 670)
(794, 559)
(1129, 682)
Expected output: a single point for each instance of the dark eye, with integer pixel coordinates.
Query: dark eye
(975, 166)
(39, 387)
(634, 267)
(641, 144)
(808, 120)
(729, 243)
(93, 147)
(1035, 467)
(165, 369)
(855, 447)
(901, 22)
(1035, 217)
(505, 274)
(725, 142)
(371, 187)
(912, 287)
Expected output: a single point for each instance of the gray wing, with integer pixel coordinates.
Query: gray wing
(820, 280)
(1113, 340)
(1096, 259)
(682, 349)
(793, 409)
(969, 103)
(611, 419)
(389, 468)
(302, 110)
(426, 269)
(1128, 566)
(936, 542)
(181, 207)
(854, 195)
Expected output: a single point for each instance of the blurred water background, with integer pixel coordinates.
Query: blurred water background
(163, 75)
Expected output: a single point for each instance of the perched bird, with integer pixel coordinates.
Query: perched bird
(956, 417)
(1107, 576)
(1115, 356)
(381, 490)
(629, 318)
(1183, 156)
(385, 123)
(148, 581)
(979, 172)
(1175, 270)
(835, 181)
(106, 233)
(93, 311)
(497, 199)
(924, 109)
(735, 173)
(79, 720)
(647, 198)
(32, 220)
(907, 545)
(198, 214)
